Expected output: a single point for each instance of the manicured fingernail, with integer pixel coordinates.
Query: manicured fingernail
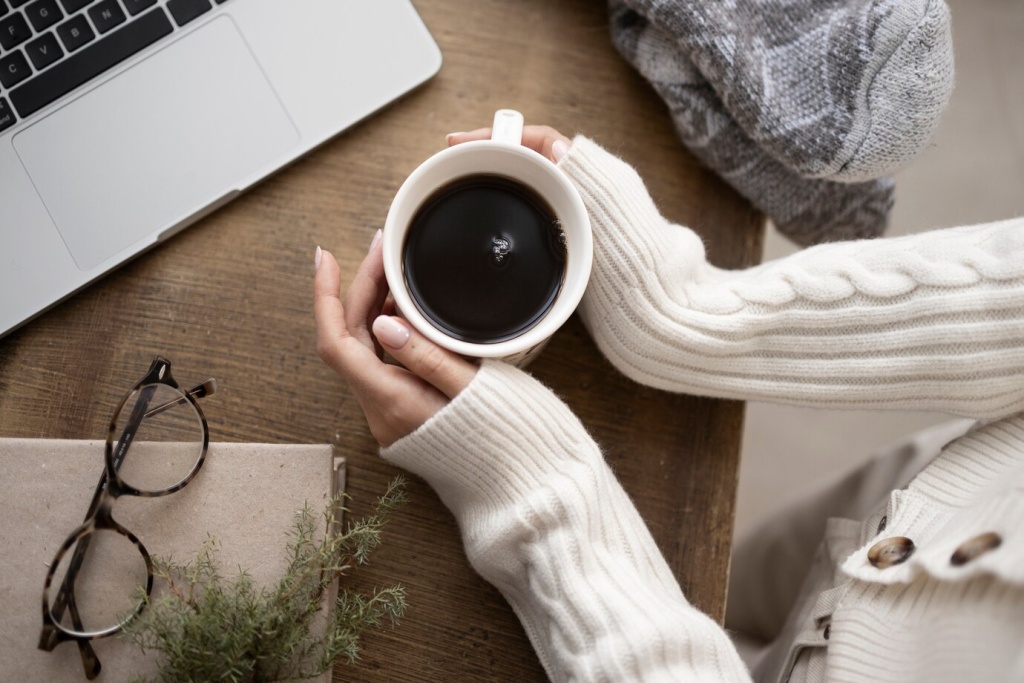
(448, 138)
(558, 150)
(390, 332)
(376, 238)
(317, 257)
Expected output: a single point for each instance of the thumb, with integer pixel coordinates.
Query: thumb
(447, 371)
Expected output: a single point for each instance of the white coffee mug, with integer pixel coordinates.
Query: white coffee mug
(502, 155)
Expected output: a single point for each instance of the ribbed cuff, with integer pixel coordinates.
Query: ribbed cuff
(494, 443)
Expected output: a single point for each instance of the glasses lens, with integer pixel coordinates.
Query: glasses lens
(106, 573)
(166, 438)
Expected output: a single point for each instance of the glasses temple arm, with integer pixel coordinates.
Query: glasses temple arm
(200, 390)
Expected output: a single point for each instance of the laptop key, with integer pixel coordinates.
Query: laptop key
(83, 66)
(136, 6)
(17, 3)
(14, 69)
(14, 31)
(72, 6)
(3, 8)
(44, 50)
(75, 32)
(43, 14)
(106, 15)
(185, 11)
(6, 115)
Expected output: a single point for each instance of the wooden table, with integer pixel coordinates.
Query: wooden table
(230, 297)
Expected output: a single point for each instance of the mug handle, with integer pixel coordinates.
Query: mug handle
(508, 127)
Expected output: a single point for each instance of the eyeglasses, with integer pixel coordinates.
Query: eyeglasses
(97, 573)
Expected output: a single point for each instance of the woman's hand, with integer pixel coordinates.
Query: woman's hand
(396, 400)
(354, 333)
(541, 139)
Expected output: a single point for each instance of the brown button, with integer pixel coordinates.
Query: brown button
(979, 545)
(891, 551)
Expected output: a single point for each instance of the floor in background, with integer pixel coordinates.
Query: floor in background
(973, 172)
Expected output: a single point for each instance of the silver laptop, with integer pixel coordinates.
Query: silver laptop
(123, 121)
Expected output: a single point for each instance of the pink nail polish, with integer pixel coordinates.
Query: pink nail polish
(376, 238)
(558, 150)
(317, 257)
(390, 332)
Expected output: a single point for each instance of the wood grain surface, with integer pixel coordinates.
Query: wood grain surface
(230, 297)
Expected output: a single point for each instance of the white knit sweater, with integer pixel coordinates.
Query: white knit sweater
(933, 321)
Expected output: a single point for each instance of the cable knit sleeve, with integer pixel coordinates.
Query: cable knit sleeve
(544, 519)
(932, 321)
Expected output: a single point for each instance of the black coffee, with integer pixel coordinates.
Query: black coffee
(484, 258)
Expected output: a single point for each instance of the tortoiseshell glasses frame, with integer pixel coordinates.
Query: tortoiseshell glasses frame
(157, 387)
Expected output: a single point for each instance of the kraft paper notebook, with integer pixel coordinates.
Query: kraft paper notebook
(246, 495)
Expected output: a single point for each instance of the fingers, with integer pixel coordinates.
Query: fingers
(448, 372)
(396, 400)
(341, 346)
(458, 138)
(367, 293)
(328, 310)
(544, 139)
(352, 358)
(541, 139)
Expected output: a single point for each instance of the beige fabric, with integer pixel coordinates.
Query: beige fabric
(782, 567)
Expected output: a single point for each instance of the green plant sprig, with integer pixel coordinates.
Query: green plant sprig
(208, 629)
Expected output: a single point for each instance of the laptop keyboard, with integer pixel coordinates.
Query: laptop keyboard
(50, 47)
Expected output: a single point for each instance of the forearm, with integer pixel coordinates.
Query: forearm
(545, 521)
(933, 321)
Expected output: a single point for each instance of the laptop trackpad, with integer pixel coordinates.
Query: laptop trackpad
(154, 145)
